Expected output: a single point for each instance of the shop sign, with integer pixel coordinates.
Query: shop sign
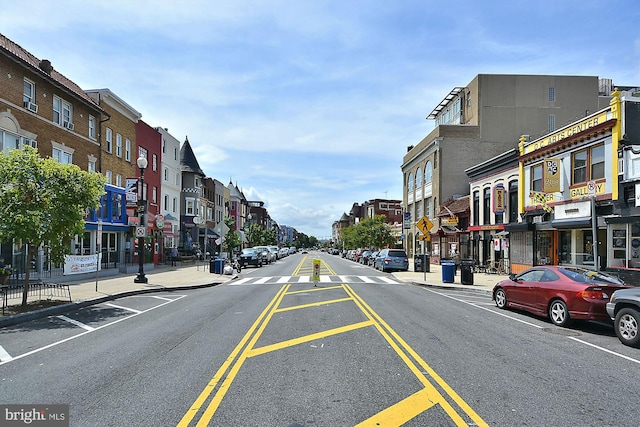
(567, 132)
(498, 199)
(586, 191)
(551, 176)
(449, 220)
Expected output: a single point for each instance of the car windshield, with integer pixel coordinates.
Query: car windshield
(585, 275)
(248, 251)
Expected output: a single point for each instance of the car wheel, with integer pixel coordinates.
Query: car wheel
(559, 313)
(501, 298)
(626, 326)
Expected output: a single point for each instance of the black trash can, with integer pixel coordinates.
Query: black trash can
(421, 263)
(466, 272)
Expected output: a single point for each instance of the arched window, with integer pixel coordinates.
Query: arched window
(419, 178)
(428, 172)
(410, 182)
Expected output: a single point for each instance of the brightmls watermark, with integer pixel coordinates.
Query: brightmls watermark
(34, 415)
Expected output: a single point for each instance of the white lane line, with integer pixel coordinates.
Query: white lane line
(122, 307)
(538, 327)
(261, 281)
(241, 281)
(160, 298)
(4, 356)
(344, 279)
(325, 279)
(366, 279)
(304, 279)
(75, 322)
(386, 279)
(122, 319)
(284, 279)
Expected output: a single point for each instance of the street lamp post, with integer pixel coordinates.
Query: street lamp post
(142, 211)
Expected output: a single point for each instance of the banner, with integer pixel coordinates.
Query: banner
(551, 176)
(77, 264)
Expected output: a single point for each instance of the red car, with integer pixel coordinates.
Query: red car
(561, 293)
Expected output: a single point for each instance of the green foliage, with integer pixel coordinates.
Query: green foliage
(43, 201)
(368, 233)
(232, 238)
(257, 235)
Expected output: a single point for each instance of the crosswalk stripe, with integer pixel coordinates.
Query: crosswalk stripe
(307, 279)
(4, 356)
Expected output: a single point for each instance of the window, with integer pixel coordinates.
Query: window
(428, 208)
(588, 164)
(597, 162)
(62, 112)
(512, 205)
(190, 205)
(118, 145)
(552, 122)
(142, 152)
(166, 202)
(109, 140)
(154, 162)
(29, 92)
(119, 180)
(486, 199)
(154, 195)
(579, 160)
(175, 204)
(476, 208)
(552, 94)
(127, 150)
(428, 173)
(92, 127)
(410, 183)
(62, 153)
(536, 178)
(91, 167)
(109, 176)
(419, 178)
(166, 175)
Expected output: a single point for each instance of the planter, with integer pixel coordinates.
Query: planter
(4, 280)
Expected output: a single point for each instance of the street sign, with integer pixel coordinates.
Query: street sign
(424, 225)
(141, 231)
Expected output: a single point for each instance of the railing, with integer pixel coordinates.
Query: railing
(37, 290)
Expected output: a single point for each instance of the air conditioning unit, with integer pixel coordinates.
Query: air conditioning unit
(68, 125)
(31, 106)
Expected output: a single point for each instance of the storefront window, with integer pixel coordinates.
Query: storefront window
(564, 240)
(521, 247)
(544, 248)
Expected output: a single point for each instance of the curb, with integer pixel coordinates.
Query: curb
(65, 308)
(458, 288)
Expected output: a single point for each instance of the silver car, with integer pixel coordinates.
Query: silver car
(624, 309)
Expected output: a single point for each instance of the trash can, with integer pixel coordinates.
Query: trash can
(448, 267)
(466, 272)
(216, 266)
(421, 263)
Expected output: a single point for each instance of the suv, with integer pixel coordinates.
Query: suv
(624, 309)
(392, 259)
(251, 256)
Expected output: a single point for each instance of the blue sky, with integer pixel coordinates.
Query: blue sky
(309, 105)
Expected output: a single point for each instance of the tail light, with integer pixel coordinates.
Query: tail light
(594, 293)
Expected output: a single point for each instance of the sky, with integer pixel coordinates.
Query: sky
(309, 105)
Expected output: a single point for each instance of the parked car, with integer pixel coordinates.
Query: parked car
(283, 252)
(267, 254)
(624, 310)
(276, 251)
(251, 256)
(561, 293)
(392, 259)
(364, 257)
(292, 250)
(372, 259)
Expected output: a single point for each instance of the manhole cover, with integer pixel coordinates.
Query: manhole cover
(563, 332)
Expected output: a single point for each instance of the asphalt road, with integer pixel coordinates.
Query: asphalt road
(360, 348)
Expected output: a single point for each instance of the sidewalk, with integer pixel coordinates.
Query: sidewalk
(87, 292)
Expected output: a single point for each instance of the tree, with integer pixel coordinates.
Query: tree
(44, 202)
(231, 239)
(368, 233)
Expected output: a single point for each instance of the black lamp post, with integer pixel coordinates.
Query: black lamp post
(142, 210)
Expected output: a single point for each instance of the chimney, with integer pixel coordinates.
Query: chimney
(45, 65)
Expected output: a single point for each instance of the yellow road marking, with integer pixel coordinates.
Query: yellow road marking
(304, 291)
(401, 412)
(312, 304)
(307, 338)
(204, 395)
(309, 267)
(433, 392)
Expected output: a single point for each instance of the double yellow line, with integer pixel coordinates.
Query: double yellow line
(396, 414)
